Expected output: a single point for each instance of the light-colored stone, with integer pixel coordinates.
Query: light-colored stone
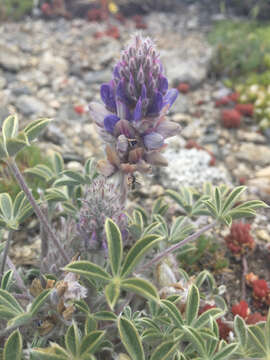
(254, 154)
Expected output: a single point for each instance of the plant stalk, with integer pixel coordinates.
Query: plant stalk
(245, 271)
(5, 254)
(18, 176)
(177, 246)
(16, 275)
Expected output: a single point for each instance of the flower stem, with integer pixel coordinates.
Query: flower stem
(17, 174)
(4, 260)
(17, 276)
(245, 271)
(177, 246)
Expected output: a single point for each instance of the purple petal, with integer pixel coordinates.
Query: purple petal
(137, 115)
(110, 121)
(153, 141)
(143, 93)
(170, 97)
(120, 91)
(98, 112)
(116, 71)
(167, 128)
(156, 105)
(163, 84)
(107, 96)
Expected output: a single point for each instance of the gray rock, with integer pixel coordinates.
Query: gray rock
(191, 168)
(11, 58)
(21, 90)
(3, 83)
(29, 105)
(254, 154)
(97, 76)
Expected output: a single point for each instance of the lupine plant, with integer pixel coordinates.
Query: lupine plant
(108, 285)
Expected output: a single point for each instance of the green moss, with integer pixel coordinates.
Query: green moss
(241, 48)
(15, 9)
(28, 157)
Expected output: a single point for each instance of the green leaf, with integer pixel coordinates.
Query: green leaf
(82, 306)
(7, 280)
(74, 175)
(8, 300)
(218, 200)
(165, 350)
(57, 163)
(54, 352)
(72, 340)
(225, 352)
(231, 199)
(6, 313)
(19, 202)
(90, 324)
(19, 320)
(195, 339)
(193, 302)
(240, 329)
(115, 245)
(41, 171)
(3, 150)
(112, 292)
(91, 342)
(206, 316)
(88, 270)
(174, 313)
(137, 251)
(39, 301)
(257, 337)
(13, 347)
(130, 339)
(105, 316)
(141, 287)
(10, 127)
(6, 205)
(13, 146)
(35, 128)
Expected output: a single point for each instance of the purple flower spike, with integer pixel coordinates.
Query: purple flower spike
(107, 96)
(133, 123)
(156, 105)
(138, 111)
(163, 84)
(170, 97)
(153, 141)
(109, 122)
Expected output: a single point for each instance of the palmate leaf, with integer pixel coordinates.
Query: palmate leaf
(112, 292)
(141, 287)
(10, 127)
(173, 312)
(13, 347)
(9, 301)
(225, 352)
(34, 129)
(39, 301)
(6, 280)
(192, 305)
(131, 339)
(90, 324)
(137, 251)
(90, 343)
(115, 245)
(88, 269)
(15, 145)
(53, 352)
(6, 205)
(72, 340)
(165, 350)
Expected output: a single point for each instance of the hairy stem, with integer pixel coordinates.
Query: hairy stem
(245, 271)
(177, 246)
(17, 174)
(17, 276)
(5, 254)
